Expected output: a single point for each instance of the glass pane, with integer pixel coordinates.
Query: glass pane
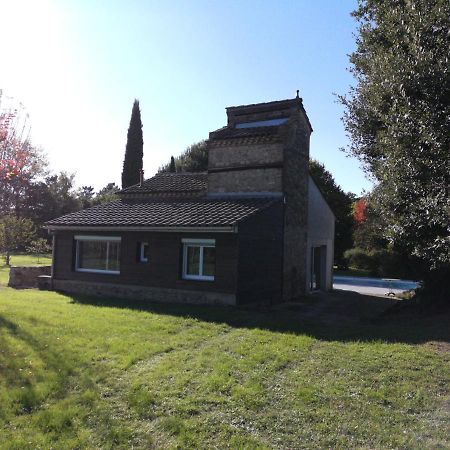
(92, 255)
(114, 256)
(209, 261)
(192, 260)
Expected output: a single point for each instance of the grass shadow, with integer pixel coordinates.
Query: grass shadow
(336, 316)
(61, 365)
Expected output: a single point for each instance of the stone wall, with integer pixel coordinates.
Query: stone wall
(295, 188)
(132, 292)
(27, 277)
(235, 167)
(224, 156)
(254, 180)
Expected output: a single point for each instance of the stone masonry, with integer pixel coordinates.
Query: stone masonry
(269, 159)
(26, 277)
(295, 189)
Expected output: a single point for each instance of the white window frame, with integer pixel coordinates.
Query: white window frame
(202, 243)
(106, 239)
(142, 257)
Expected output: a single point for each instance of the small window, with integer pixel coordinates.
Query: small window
(143, 252)
(199, 259)
(262, 123)
(98, 254)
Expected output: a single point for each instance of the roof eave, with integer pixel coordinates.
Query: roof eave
(164, 229)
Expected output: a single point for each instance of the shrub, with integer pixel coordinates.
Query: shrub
(359, 258)
(381, 263)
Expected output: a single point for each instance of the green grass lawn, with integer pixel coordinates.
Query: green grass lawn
(83, 373)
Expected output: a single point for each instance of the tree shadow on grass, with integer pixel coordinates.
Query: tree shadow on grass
(13, 365)
(336, 316)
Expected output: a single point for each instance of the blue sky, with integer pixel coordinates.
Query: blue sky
(78, 65)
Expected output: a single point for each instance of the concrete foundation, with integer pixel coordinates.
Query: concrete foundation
(132, 292)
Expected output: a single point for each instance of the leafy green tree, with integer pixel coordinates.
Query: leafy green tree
(39, 247)
(52, 197)
(61, 195)
(369, 225)
(397, 117)
(15, 233)
(85, 196)
(134, 151)
(340, 203)
(106, 194)
(193, 159)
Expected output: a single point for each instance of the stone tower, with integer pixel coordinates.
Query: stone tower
(264, 151)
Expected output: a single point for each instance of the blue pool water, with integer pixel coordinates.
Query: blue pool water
(403, 285)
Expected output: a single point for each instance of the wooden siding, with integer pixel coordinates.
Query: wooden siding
(164, 266)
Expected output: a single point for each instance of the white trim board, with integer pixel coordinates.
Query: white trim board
(200, 242)
(86, 237)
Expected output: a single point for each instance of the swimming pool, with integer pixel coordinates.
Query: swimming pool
(401, 285)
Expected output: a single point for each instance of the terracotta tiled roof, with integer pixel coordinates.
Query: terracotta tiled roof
(171, 182)
(204, 212)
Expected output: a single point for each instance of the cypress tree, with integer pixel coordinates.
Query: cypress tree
(132, 164)
(172, 168)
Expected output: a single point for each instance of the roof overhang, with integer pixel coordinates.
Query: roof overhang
(221, 229)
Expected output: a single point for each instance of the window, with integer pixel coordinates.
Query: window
(199, 259)
(98, 254)
(143, 252)
(262, 123)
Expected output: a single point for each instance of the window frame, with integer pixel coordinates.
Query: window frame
(142, 258)
(200, 243)
(87, 238)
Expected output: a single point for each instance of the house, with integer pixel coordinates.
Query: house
(254, 228)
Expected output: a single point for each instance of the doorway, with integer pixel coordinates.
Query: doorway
(318, 265)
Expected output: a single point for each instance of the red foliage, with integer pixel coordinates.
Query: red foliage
(359, 211)
(15, 156)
